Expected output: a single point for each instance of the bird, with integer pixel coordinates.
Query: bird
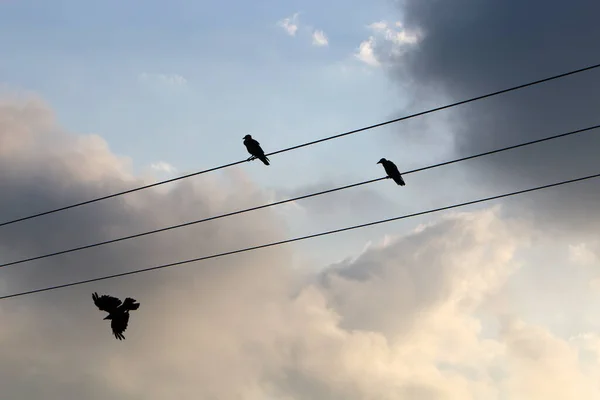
(392, 171)
(118, 313)
(255, 150)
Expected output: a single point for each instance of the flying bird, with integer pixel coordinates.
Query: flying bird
(392, 171)
(118, 313)
(255, 150)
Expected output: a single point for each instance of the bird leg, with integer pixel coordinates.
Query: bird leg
(251, 158)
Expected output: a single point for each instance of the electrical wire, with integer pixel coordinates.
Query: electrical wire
(272, 244)
(89, 246)
(303, 145)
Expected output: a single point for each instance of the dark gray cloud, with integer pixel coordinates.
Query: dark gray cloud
(471, 47)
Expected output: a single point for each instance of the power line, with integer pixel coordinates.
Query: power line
(89, 246)
(331, 232)
(302, 145)
(440, 108)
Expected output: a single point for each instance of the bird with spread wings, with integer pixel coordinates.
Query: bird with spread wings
(118, 312)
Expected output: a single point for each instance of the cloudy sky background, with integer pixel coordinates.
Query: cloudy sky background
(497, 301)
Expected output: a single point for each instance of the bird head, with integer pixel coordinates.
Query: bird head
(381, 161)
(247, 137)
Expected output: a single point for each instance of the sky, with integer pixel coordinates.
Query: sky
(495, 301)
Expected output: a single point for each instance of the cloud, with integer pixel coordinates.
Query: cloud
(319, 38)
(396, 34)
(417, 273)
(50, 168)
(543, 366)
(174, 80)
(366, 52)
(471, 48)
(586, 256)
(387, 42)
(582, 254)
(163, 166)
(290, 24)
(249, 326)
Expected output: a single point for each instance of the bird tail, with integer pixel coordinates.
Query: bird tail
(264, 159)
(399, 181)
(130, 304)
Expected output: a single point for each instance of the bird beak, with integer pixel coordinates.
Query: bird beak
(106, 317)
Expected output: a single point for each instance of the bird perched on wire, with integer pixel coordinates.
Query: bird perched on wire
(255, 150)
(392, 171)
(118, 313)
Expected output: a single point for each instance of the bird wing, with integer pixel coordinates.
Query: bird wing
(130, 304)
(391, 168)
(394, 173)
(256, 149)
(252, 146)
(106, 303)
(119, 325)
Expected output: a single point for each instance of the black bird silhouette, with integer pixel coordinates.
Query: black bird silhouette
(392, 171)
(255, 150)
(118, 313)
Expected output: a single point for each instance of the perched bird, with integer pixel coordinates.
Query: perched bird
(118, 313)
(254, 148)
(392, 171)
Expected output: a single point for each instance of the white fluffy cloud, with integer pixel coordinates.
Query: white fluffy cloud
(319, 38)
(387, 39)
(366, 52)
(400, 321)
(163, 166)
(289, 24)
